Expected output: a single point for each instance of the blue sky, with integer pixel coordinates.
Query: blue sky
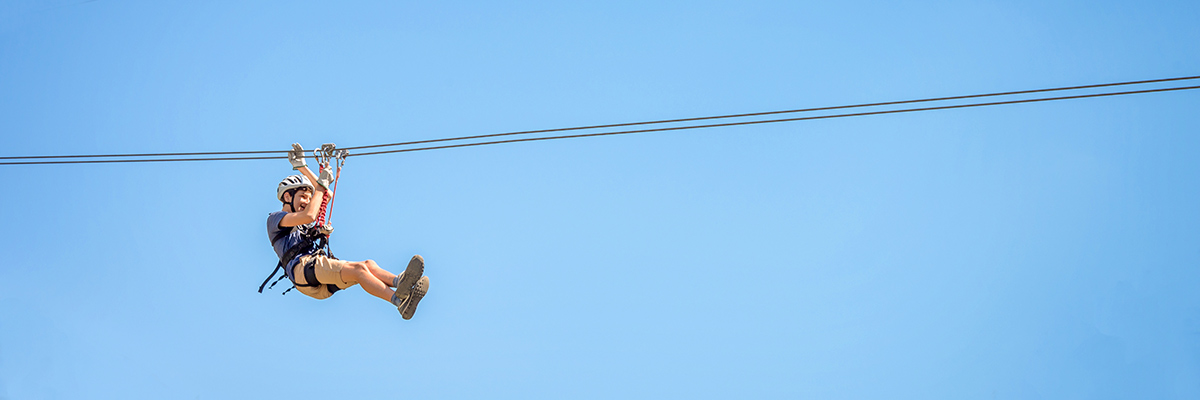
(1045, 250)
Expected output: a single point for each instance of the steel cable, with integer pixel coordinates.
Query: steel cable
(778, 120)
(43, 159)
(888, 103)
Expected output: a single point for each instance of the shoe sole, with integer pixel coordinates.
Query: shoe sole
(416, 268)
(409, 306)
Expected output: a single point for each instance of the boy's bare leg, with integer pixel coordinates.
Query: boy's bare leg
(383, 274)
(361, 273)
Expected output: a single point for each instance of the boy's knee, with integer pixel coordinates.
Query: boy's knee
(357, 267)
(371, 263)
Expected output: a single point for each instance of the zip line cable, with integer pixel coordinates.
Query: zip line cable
(141, 160)
(1141, 82)
(757, 114)
(598, 126)
(621, 125)
(213, 153)
(778, 120)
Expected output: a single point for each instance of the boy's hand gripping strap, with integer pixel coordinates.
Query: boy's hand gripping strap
(326, 155)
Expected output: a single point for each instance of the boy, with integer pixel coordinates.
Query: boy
(292, 233)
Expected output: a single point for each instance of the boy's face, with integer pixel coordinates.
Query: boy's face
(302, 197)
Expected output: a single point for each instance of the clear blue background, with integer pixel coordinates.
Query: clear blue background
(1047, 250)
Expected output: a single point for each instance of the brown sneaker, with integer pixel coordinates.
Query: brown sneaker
(409, 305)
(405, 281)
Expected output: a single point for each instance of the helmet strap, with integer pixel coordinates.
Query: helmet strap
(291, 204)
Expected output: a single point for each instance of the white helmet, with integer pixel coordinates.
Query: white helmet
(292, 182)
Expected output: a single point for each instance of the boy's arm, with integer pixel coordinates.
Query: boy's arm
(312, 178)
(296, 157)
(309, 213)
(305, 216)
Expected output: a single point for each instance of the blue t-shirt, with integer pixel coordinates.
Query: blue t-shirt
(293, 237)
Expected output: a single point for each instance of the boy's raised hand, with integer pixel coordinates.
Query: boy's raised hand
(325, 180)
(296, 156)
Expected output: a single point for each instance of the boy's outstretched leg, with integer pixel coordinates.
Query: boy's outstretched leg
(360, 272)
(410, 286)
(406, 279)
(384, 275)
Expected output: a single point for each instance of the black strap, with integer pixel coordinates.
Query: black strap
(281, 277)
(310, 277)
(297, 251)
(314, 243)
(277, 268)
(310, 274)
(309, 243)
(293, 252)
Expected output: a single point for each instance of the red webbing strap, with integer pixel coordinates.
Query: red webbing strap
(327, 201)
(321, 214)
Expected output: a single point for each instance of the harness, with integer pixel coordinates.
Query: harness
(314, 242)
